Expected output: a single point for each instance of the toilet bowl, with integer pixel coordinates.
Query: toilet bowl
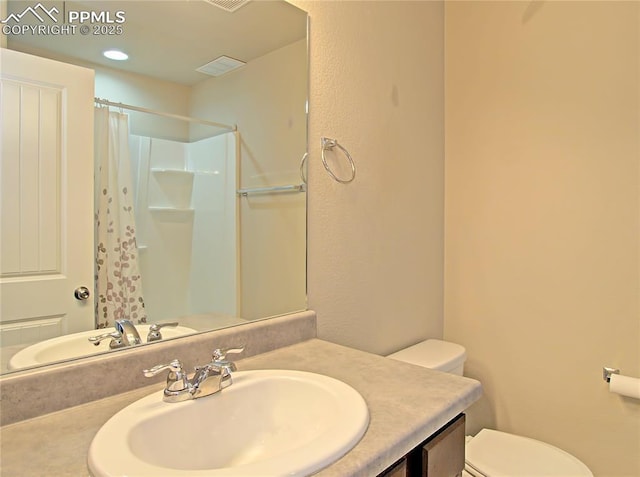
(493, 453)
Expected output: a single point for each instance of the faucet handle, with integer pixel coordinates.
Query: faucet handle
(220, 354)
(220, 358)
(154, 330)
(116, 339)
(174, 366)
(177, 379)
(225, 367)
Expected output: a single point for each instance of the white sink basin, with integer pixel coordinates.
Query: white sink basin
(77, 345)
(267, 423)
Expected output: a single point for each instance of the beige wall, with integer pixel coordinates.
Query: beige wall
(267, 100)
(131, 88)
(146, 92)
(542, 218)
(375, 245)
(542, 202)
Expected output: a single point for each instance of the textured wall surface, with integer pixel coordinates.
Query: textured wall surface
(542, 212)
(376, 244)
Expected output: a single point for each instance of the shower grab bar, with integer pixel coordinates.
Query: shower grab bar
(269, 190)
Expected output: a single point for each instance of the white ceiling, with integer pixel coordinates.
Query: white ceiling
(169, 39)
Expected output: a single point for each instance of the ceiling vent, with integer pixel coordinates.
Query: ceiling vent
(220, 66)
(228, 5)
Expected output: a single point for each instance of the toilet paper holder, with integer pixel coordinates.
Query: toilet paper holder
(607, 372)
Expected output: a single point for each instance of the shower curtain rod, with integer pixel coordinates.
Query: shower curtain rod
(164, 115)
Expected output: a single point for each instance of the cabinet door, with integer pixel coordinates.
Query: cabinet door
(443, 454)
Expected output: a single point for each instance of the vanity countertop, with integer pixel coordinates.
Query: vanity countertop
(406, 404)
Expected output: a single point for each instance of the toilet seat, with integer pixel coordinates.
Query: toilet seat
(499, 454)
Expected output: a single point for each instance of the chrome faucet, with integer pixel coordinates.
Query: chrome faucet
(130, 335)
(126, 334)
(207, 379)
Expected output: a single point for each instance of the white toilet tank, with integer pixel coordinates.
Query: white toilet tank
(434, 354)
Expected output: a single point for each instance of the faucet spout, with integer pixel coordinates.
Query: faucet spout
(130, 335)
(207, 380)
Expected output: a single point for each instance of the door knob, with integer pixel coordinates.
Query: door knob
(82, 293)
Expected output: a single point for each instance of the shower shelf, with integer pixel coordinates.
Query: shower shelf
(172, 214)
(170, 190)
(172, 209)
(173, 172)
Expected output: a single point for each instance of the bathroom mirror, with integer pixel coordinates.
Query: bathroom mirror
(189, 232)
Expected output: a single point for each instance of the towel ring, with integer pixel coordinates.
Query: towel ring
(302, 163)
(329, 144)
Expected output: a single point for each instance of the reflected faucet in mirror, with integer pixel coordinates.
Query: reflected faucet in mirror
(76, 345)
(115, 343)
(127, 330)
(126, 334)
(181, 197)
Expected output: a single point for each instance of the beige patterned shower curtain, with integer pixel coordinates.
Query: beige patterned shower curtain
(118, 283)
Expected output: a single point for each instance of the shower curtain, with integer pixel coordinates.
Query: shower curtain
(118, 285)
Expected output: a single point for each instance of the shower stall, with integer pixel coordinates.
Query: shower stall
(184, 178)
(186, 215)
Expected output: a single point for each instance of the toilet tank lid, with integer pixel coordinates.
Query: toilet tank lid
(433, 354)
(499, 454)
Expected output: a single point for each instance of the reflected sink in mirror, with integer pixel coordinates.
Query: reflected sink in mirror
(77, 345)
(267, 423)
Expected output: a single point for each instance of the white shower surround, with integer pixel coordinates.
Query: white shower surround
(186, 211)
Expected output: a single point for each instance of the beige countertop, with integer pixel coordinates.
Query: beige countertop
(406, 404)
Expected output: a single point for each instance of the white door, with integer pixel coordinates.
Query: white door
(46, 198)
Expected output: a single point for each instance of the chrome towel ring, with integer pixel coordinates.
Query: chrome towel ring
(303, 162)
(327, 145)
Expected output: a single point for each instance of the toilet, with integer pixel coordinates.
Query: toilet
(493, 453)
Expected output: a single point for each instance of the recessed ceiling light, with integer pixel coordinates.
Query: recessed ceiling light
(116, 55)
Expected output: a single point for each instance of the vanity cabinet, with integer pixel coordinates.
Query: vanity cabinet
(399, 469)
(441, 455)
